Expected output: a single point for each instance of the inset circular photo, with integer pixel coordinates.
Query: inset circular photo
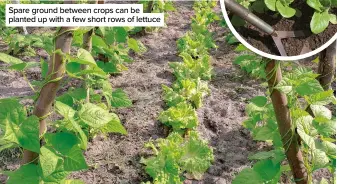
(282, 29)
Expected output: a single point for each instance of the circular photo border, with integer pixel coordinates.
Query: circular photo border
(270, 56)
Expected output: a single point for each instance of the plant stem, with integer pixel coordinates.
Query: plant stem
(48, 92)
(282, 113)
(87, 45)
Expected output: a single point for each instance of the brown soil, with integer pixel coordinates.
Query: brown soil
(115, 160)
(293, 46)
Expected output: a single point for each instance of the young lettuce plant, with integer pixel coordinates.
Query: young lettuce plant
(322, 17)
(175, 156)
(281, 6)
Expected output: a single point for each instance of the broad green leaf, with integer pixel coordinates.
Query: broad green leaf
(303, 130)
(319, 159)
(24, 132)
(333, 19)
(327, 147)
(260, 101)
(11, 109)
(248, 176)
(268, 170)
(271, 4)
(27, 173)
(320, 110)
(23, 66)
(116, 34)
(94, 115)
(99, 42)
(319, 22)
(285, 10)
(315, 4)
(324, 126)
(321, 98)
(114, 125)
(77, 127)
(84, 57)
(120, 99)
(62, 142)
(51, 165)
(308, 88)
(108, 67)
(264, 133)
(9, 59)
(133, 44)
(276, 155)
(64, 110)
(74, 160)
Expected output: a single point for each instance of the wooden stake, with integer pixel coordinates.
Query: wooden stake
(282, 113)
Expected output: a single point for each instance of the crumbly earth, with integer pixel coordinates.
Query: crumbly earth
(115, 159)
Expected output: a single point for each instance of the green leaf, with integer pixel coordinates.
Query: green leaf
(133, 44)
(264, 133)
(24, 132)
(23, 66)
(197, 156)
(320, 110)
(84, 57)
(248, 176)
(9, 59)
(116, 34)
(325, 126)
(268, 170)
(319, 22)
(64, 110)
(84, 139)
(271, 4)
(285, 10)
(319, 159)
(120, 99)
(259, 101)
(62, 141)
(51, 166)
(303, 130)
(333, 19)
(277, 155)
(309, 87)
(11, 109)
(27, 173)
(114, 125)
(321, 98)
(99, 42)
(315, 4)
(327, 147)
(94, 115)
(179, 117)
(74, 160)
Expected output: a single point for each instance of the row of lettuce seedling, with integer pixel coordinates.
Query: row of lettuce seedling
(183, 154)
